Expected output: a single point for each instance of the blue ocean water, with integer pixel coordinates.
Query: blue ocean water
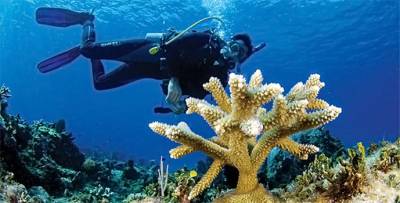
(353, 45)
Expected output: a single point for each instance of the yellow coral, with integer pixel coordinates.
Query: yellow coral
(237, 122)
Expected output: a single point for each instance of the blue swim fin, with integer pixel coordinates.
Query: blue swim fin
(59, 60)
(60, 17)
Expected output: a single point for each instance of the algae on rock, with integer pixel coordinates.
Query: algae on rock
(281, 167)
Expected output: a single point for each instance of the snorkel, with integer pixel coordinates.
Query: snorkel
(255, 49)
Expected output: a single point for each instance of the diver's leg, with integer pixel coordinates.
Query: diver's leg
(124, 74)
(111, 80)
(108, 50)
(88, 35)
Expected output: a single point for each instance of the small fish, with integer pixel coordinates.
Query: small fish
(193, 173)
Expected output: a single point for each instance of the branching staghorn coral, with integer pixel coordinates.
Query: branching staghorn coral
(239, 119)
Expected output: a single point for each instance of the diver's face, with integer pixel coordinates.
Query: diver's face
(238, 50)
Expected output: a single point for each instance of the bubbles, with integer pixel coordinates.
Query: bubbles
(223, 10)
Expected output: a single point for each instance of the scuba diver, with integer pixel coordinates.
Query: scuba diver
(184, 61)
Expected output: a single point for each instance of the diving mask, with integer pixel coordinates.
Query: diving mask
(234, 50)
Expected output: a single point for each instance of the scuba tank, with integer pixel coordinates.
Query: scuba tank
(154, 50)
(155, 36)
(160, 39)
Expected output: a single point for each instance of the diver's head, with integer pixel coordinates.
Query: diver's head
(238, 49)
(241, 46)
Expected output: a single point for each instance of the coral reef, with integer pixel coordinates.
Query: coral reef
(39, 162)
(37, 156)
(11, 191)
(315, 180)
(282, 167)
(389, 157)
(175, 189)
(239, 119)
(355, 177)
(352, 176)
(46, 165)
(4, 94)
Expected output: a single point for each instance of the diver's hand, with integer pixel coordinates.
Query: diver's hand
(174, 92)
(179, 107)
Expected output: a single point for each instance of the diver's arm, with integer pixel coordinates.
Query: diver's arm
(174, 95)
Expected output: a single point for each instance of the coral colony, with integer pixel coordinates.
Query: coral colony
(239, 119)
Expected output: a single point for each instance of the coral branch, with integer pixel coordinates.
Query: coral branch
(256, 79)
(215, 87)
(183, 150)
(266, 93)
(207, 178)
(209, 112)
(265, 144)
(319, 118)
(300, 150)
(183, 135)
(317, 104)
(278, 114)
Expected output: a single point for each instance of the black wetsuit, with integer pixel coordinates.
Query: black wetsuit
(193, 59)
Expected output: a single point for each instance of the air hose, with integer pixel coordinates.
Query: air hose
(156, 49)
